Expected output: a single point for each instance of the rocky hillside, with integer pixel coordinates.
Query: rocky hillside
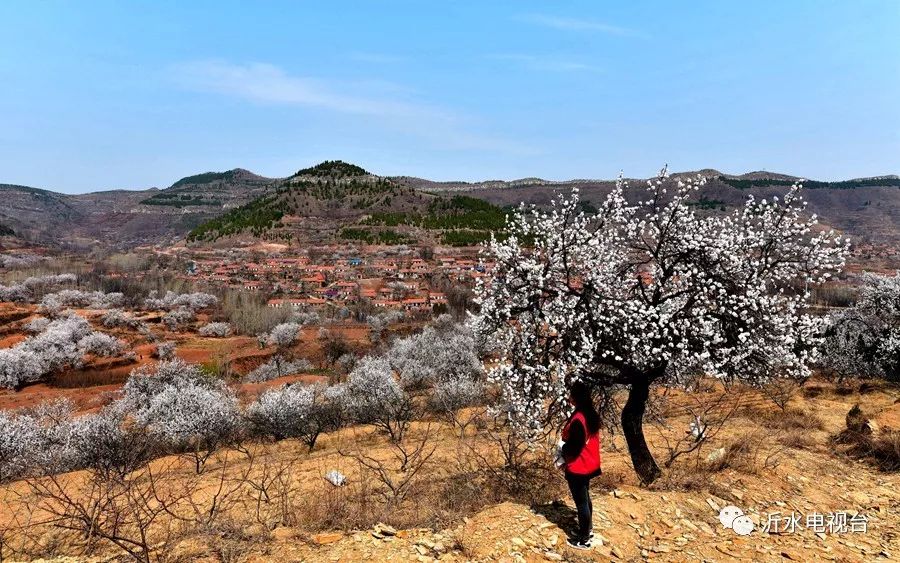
(125, 218)
(866, 208)
(336, 201)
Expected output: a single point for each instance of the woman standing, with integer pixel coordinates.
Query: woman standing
(581, 453)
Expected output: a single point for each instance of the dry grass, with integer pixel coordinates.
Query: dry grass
(281, 484)
(797, 439)
(881, 450)
(790, 419)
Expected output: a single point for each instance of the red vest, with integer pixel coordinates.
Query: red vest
(588, 461)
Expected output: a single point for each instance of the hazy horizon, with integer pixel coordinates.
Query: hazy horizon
(104, 95)
(474, 181)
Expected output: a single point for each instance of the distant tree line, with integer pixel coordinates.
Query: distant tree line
(812, 184)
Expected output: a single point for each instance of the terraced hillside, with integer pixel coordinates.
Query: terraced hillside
(125, 218)
(339, 201)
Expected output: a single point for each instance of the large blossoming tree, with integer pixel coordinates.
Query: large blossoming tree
(647, 291)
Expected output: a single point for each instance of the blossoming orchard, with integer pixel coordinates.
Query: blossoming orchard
(651, 291)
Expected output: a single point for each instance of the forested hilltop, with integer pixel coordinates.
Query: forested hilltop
(341, 201)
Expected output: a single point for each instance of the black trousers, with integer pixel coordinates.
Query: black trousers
(580, 487)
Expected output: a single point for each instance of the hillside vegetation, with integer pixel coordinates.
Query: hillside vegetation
(333, 168)
(747, 183)
(205, 178)
(355, 205)
(865, 208)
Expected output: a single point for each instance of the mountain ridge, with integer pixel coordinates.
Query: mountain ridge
(866, 207)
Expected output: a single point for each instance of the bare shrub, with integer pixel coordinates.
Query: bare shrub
(334, 346)
(108, 508)
(781, 390)
(270, 491)
(885, 450)
(863, 440)
(709, 411)
(748, 453)
(398, 471)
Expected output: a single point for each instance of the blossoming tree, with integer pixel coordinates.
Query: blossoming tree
(864, 340)
(648, 291)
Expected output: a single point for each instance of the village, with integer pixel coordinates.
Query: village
(389, 279)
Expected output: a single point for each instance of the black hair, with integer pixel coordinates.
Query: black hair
(584, 403)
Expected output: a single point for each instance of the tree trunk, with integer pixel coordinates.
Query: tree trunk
(633, 429)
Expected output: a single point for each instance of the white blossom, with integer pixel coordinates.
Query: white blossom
(649, 292)
(284, 335)
(171, 300)
(177, 318)
(864, 340)
(63, 342)
(216, 330)
(277, 367)
(442, 352)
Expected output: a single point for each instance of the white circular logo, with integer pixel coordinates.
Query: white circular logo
(728, 514)
(742, 525)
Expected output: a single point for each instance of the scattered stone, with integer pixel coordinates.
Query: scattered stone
(716, 455)
(336, 478)
(617, 552)
(384, 530)
(326, 538)
(725, 550)
(553, 556)
(688, 524)
(713, 504)
(285, 533)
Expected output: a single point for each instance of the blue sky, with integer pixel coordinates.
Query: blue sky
(101, 95)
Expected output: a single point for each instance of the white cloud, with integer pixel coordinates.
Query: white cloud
(578, 24)
(542, 63)
(268, 84)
